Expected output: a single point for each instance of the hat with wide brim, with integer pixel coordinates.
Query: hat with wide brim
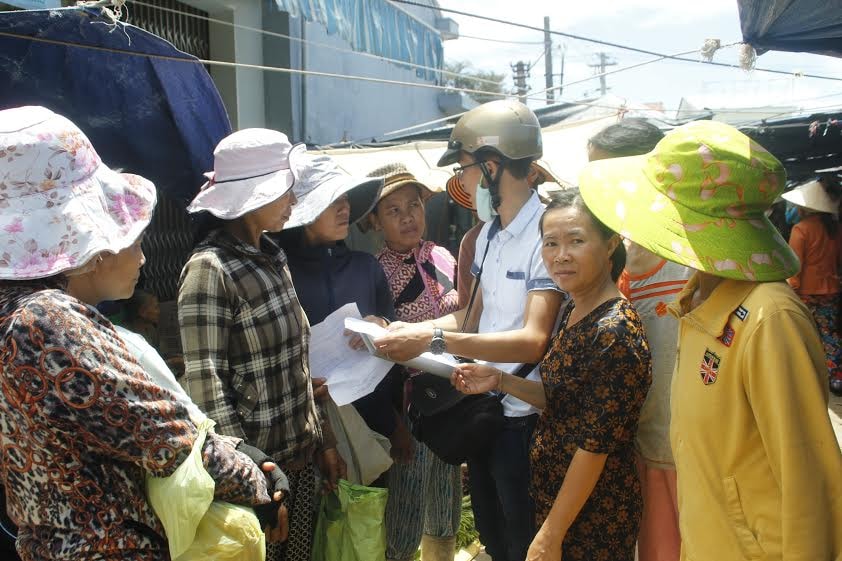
(812, 195)
(61, 206)
(321, 182)
(463, 199)
(395, 176)
(251, 168)
(697, 199)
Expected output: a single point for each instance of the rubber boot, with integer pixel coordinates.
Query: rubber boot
(438, 549)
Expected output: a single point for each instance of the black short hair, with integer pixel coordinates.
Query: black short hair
(629, 137)
(518, 168)
(138, 300)
(572, 198)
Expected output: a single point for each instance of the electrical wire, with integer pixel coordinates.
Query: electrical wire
(608, 43)
(537, 60)
(507, 41)
(534, 96)
(192, 60)
(541, 94)
(306, 41)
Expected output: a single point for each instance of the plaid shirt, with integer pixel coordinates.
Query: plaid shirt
(246, 342)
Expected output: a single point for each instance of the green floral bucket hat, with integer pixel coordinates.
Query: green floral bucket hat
(697, 199)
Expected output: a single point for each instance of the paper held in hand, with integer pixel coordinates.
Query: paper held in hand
(350, 374)
(440, 365)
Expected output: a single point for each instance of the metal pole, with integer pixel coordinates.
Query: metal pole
(548, 60)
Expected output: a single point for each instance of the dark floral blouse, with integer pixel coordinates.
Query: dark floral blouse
(596, 375)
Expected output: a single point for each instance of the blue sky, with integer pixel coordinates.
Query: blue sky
(668, 26)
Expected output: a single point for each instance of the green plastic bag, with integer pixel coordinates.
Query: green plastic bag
(350, 526)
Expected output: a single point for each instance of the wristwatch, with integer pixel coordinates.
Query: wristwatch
(437, 345)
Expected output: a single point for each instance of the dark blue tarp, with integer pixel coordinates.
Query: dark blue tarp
(810, 26)
(160, 118)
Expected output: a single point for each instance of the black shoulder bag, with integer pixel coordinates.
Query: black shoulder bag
(453, 425)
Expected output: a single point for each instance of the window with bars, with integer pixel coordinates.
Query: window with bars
(175, 22)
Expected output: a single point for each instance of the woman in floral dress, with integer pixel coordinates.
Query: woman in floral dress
(595, 377)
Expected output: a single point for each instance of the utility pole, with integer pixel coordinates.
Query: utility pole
(521, 73)
(548, 60)
(603, 63)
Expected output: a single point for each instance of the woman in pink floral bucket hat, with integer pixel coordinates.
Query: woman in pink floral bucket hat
(757, 461)
(81, 423)
(244, 334)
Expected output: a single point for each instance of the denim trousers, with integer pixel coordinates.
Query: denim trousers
(503, 510)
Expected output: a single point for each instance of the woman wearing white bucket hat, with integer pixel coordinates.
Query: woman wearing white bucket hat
(817, 241)
(81, 424)
(244, 334)
(328, 274)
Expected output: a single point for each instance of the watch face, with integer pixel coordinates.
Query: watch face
(437, 346)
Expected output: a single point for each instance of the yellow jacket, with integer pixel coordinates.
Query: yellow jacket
(759, 468)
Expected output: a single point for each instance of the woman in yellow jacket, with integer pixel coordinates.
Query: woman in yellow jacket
(759, 468)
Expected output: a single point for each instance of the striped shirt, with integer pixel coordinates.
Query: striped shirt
(246, 342)
(650, 293)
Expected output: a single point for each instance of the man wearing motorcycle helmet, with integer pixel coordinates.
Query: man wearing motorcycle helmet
(510, 320)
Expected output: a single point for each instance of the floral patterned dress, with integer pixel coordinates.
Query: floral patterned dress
(596, 375)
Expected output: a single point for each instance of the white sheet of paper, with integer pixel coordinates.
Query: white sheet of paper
(350, 374)
(440, 365)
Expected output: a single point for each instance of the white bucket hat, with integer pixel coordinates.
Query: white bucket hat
(812, 195)
(251, 168)
(60, 206)
(321, 182)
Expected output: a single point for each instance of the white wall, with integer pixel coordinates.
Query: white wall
(339, 109)
(241, 89)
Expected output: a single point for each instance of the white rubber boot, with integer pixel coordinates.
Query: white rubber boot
(438, 549)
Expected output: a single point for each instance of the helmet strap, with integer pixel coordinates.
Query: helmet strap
(493, 183)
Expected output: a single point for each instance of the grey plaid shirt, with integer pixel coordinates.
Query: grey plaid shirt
(246, 342)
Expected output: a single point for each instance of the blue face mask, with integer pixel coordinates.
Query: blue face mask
(792, 217)
(485, 211)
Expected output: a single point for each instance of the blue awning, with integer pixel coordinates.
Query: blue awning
(374, 26)
(160, 118)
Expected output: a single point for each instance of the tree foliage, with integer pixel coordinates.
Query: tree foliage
(473, 79)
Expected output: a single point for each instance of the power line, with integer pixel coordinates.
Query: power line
(537, 60)
(492, 40)
(308, 42)
(192, 60)
(608, 43)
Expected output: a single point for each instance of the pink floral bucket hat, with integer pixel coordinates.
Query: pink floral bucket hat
(251, 168)
(60, 206)
(698, 199)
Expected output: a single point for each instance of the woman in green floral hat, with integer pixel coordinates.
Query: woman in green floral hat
(757, 460)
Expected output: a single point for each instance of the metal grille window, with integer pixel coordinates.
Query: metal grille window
(186, 33)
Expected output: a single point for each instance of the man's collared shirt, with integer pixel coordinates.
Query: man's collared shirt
(512, 269)
(246, 341)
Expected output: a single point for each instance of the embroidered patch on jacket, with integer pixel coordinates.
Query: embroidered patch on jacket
(727, 335)
(709, 369)
(741, 313)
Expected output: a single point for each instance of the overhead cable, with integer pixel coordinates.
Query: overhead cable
(493, 40)
(192, 60)
(608, 43)
(308, 42)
